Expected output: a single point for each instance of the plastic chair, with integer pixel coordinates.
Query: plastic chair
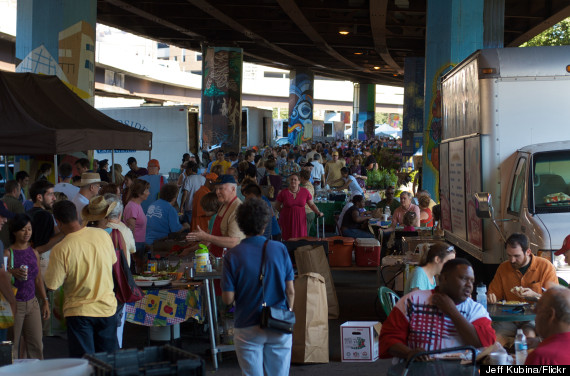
(562, 282)
(388, 299)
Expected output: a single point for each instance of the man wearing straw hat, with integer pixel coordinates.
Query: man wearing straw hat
(82, 263)
(89, 187)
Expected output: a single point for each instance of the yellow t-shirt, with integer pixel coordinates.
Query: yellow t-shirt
(225, 165)
(82, 262)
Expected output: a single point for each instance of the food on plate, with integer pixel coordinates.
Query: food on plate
(517, 289)
(511, 302)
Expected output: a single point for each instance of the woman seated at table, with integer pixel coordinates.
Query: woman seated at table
(258, 349)
(423, 276)
(353, 220)
(426, 216)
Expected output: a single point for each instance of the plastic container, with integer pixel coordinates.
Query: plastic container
(520, 347)
(367, 252)
(202, 258)
(157, 361)
(482, 295)
(340, 251)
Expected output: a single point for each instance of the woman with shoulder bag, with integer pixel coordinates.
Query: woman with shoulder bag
(24, 265)
(258, 349)
(105, 212)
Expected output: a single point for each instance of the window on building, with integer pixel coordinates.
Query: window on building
(198, 57)
(275, 75)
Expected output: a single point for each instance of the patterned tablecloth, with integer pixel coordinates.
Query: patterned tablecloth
(166, 307)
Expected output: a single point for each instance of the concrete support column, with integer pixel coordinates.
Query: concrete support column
(220, 113)
(57, 37)
(454, 31)
(366, 111)
(301, 86)
(413, 124)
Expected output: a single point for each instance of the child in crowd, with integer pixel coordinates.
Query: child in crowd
(409, 220)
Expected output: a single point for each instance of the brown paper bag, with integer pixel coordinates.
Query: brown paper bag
(311, 259)
(311, 330)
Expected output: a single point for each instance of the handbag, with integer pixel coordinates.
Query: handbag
(126, 290)
(274, 318)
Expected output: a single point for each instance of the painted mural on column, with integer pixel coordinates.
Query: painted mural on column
(64, 46)
(454, 31)
(221, 97)
(300, 107)
(367, 111)
(413, 118)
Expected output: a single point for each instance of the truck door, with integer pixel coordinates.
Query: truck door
(517, 203)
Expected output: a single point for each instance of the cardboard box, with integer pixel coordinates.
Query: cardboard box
(359, 341)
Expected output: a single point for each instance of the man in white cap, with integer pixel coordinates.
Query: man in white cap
(89, 187)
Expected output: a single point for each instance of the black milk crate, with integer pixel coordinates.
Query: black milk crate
(151, 361)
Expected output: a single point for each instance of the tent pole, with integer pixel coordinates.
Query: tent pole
(55, 168)
(112, 165)
(5, 169)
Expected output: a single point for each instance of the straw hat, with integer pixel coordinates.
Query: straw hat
(98, 208)
(89, 178)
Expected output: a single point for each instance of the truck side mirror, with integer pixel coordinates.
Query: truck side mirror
(483, 205)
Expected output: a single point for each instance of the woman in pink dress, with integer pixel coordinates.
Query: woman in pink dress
(291, 206)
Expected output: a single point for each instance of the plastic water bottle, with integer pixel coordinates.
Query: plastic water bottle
(387, 211)
(482, 295)
(520, 347)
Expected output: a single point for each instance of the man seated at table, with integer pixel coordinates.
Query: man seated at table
(389, 201)
(552, 324)
(405, 206)
(445, 317)
(521, 277)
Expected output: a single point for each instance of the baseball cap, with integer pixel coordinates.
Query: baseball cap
(4, 212)
(131, 160)
(225, 179)
(335, 152)
(565, 247)
(153, 163)
(211, 176)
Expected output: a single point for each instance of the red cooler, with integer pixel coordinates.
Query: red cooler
(340, 250)
(367, 252)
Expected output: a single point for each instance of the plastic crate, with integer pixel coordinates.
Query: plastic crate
(151, 361)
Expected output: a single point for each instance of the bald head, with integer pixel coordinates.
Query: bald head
(553, 312)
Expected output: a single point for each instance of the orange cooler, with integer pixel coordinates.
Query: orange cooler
(340, 250)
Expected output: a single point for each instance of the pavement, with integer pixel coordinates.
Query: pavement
(356, 292)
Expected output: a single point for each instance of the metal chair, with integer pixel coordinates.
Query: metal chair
(388, 299)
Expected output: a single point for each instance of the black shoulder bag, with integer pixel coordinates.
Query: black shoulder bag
(273, 317)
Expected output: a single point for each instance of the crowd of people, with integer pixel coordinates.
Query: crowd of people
(238, 205)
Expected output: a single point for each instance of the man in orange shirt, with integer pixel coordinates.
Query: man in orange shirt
(522, 277)
(199, 217)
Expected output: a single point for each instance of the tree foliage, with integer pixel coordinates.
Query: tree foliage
(557, 35)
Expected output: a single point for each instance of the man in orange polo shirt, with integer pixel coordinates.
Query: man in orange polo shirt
(199, 217)
(521, 277)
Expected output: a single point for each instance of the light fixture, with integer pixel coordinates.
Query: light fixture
(376, 67)
(358, 53)
(343, 31)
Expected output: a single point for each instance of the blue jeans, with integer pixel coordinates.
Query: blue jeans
(263, 349)
(356, 233)
(88, 335)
